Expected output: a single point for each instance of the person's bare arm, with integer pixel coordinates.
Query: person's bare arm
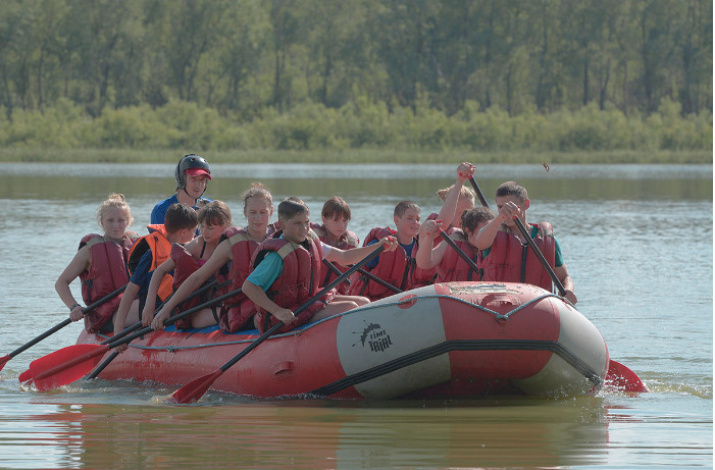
(130, 293)
(259, 297)
(355, 255)
(428, 256)
(446, 214)
(165, 268)
(488, 233)
(79, 263)
(563, 275)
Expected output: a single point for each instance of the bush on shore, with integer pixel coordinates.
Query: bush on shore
(358, 127)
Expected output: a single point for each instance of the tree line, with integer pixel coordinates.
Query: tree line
(252, 60)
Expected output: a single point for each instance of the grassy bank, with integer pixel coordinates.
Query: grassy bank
(49, 155)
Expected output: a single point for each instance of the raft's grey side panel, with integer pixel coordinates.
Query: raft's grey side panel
(581, 338)
(385, 332)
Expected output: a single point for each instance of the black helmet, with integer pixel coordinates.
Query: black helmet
(191, 162)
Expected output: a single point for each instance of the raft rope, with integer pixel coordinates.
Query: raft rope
(497, 316)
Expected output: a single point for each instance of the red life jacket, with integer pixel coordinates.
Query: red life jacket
(160, 247)
(237, 310)
(348, 241)
(298, 282)
(453, 267)
(395, 267)
(107, 272)
(186, 265)
(506, 263)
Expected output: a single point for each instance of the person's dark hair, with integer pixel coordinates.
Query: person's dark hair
(290, 208)
(180, 216)
(473, 217)
(512, 188)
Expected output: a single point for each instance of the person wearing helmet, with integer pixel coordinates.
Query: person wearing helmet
(192, 176)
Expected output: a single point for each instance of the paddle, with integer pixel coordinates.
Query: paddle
(73, 362)
(618, 375)
(136, 325)
(479, 192)
(59, 326)
(622, 377)
(367, 274)
(195, 389)
(456, 248)
(540, 256)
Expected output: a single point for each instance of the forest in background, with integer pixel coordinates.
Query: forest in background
(336, 75)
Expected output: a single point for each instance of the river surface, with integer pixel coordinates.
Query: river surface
(637, 240)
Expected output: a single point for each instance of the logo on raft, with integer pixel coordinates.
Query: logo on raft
(375, 337)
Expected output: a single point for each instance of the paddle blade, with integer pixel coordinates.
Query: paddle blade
(194, 390)
(25, 376)
(64, 366)
(621, 377)
(3, 360)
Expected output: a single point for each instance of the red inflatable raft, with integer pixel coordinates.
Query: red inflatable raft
(447, 340)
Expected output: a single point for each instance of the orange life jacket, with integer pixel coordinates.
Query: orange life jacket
(160, 247)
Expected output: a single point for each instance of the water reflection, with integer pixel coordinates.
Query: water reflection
(316, 435)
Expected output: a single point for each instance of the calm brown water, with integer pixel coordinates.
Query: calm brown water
(622, 229)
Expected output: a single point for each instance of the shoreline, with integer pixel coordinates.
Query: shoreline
(353, 156)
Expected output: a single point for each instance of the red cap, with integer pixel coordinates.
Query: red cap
(198, 172)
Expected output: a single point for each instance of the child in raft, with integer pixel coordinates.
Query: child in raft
(230, 261)
(214, 218)
(397, 267)
(335, 216)
(507, 255)
(450, 265)
(100, 264)
(284, 272)
(179, 226)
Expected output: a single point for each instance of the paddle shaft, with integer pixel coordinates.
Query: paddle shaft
(480, 195)
(147, 329)
(137, 325)
(459, 251)
(66, 322)
(540, 255)
(367, 274)
(97, 370)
